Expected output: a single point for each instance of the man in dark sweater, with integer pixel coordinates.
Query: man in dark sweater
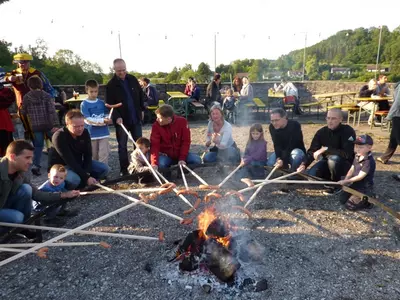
(72, 148)
(124, 88)
(333, 149)
(288, 141)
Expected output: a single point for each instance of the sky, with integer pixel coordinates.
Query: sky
(157, 35)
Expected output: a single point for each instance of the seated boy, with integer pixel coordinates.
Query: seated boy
(360, 175)
(138, 165)
(56, 183)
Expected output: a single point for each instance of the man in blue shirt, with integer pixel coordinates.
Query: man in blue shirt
(124, 88)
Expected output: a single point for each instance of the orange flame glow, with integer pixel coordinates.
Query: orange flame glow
(205, 219)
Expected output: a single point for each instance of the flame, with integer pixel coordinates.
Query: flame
(205, 219)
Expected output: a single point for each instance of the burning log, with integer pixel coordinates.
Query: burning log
(217, 228)
(220, 261)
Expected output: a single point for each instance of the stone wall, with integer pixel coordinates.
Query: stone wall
(306, 89)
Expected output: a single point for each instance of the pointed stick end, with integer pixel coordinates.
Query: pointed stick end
(105, 245)
(161, 237)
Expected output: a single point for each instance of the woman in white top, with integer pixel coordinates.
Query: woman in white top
(246, 93)
(219, 132)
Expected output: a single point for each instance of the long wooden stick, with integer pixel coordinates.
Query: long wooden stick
(134, 191)
(260, 188)
(229, 176)
(66, 244)
(195, 175)
(164, 212)
(64, 235)
(268, 182)
(85, 232)
(141, 153)
(13, 250)
(175, 190)
(301, 182)
(184, 177)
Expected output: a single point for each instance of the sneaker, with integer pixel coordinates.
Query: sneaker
(68, 213)
(381, 160)
(36, 171)
(331, 191)
(355, 203)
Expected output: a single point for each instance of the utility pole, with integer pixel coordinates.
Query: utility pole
(119, 42)
(215, 51)
(304, 55)
(379, 49)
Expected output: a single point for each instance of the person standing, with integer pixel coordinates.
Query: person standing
(124, 88)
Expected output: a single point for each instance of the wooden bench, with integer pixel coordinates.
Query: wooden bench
(383, 114)
(198, 106)
(152, 109)
(259, 105)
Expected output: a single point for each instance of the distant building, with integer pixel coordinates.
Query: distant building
(381, 69)
(343, 71)
(295, 74)
(272, 75)
(241, 75)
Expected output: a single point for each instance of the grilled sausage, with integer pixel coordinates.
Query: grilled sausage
(209, 187)
(245, 210)
(240, 196)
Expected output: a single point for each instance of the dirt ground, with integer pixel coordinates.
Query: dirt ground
(312, 247)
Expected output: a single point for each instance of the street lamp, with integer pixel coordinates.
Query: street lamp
(304, 54)
(379, 49)
(215, 51)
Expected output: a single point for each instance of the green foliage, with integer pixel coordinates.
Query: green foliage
(2, 1)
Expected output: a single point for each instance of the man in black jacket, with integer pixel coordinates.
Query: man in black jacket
(333, 149)
(124, 88)
(288, 141)
(72, 148)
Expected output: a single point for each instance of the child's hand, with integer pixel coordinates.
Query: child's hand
(70, 194)
(279, 163)
(242, 163)
(344, 182)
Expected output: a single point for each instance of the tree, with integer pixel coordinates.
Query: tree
(203, 73)
(2, 1)
(255, 71)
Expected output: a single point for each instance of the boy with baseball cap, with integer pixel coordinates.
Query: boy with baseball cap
(361, 175)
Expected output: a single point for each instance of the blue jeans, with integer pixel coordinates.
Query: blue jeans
(38, 143)
(165, 161)
(18, 207)
(295, 159)
(332, 167)
(99, 171)
(228, 155)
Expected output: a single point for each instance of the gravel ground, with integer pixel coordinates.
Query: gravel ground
(313, 248)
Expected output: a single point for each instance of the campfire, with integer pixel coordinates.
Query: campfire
(215, 247)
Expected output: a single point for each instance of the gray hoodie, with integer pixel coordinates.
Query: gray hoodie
(395, 109)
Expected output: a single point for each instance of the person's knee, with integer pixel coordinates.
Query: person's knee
(163, 162)
(12, 216)
(73, 180)
(25, 191)
(334, 160)
(193, 159)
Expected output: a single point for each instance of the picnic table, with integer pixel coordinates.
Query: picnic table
(328, 96)
(375, 101)
(176, 101)
(72, 102)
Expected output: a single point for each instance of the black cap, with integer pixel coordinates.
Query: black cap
(364, 139)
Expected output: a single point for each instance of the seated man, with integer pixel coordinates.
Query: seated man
(333, 149)
(72, 148)
(16, 192)
(288, 141)
(170, 140)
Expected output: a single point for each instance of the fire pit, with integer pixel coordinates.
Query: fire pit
(217, 248)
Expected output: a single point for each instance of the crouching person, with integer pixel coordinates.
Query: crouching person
(138, 165)
(16, 192)
(72, 148)
(360, 176)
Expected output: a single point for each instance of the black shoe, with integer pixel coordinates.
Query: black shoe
(36, 171)
(396, 177)
(124, 173)
(27, 234)
(331, 191)
(68, 213)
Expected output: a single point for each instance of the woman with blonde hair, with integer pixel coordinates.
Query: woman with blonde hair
(219, 132)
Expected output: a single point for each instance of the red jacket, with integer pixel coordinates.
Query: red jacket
(7, 97)
(172, 139)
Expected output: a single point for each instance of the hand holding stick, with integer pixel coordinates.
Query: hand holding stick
(260, 188)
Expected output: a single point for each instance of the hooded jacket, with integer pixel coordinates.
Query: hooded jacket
(395, 109)
(38, 106)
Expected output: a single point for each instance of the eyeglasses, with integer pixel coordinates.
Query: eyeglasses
(332, 118)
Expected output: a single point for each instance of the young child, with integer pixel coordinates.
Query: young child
(55, 183)
(138, 165)
(38, 108)
(361, 175)
(255, 155)
(229, 105)
(96, 121)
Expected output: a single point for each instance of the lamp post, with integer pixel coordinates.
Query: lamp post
(304, 55)
(119, 43)
(215, 51)
(379, 49)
